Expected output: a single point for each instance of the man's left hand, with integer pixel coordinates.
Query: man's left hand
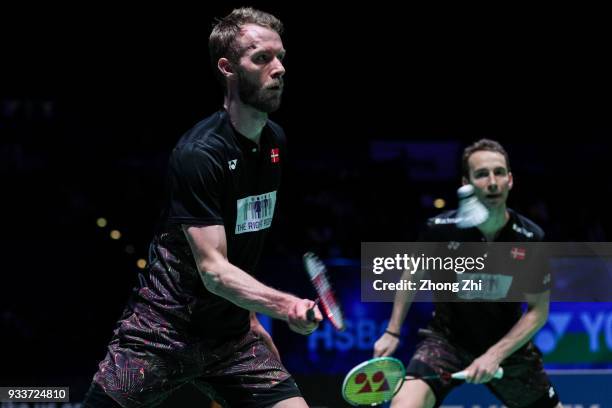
(482, 369)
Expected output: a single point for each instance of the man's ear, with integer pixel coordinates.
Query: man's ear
(510, 180)
(464, 181)
(225, 67)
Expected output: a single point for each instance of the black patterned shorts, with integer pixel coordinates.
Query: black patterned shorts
(240, 373)
(525, 383)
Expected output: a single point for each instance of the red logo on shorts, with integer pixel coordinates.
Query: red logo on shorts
(274, 155)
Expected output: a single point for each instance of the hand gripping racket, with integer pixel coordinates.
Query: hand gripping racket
(319, 277)
(376, 381)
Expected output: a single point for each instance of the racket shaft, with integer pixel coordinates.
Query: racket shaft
(461, 375)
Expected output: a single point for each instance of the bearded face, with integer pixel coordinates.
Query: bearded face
(263, 97)
(259, 70)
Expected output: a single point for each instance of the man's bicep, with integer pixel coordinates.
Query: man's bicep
(208, 243)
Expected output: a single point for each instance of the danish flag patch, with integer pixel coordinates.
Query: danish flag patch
(274, 155)
(518, 253)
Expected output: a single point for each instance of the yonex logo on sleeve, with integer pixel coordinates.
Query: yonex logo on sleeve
(453, 245)
(522, 230)
(232, 164)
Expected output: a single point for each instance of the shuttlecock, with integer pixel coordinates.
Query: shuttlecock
(471, 211)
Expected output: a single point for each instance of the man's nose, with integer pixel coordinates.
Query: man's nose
(492, 183)
(278, 69)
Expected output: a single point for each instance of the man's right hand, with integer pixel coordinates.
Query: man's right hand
(297, 316)
(385, 345)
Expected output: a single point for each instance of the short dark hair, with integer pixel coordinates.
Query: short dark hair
(222, 41)
(483, 144)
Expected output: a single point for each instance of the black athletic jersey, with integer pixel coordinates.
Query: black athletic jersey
(477, 325)
(215, 177)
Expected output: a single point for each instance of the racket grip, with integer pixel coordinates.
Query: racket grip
(310, 315)
(461, 375)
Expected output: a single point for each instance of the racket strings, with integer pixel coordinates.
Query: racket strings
(319, 278)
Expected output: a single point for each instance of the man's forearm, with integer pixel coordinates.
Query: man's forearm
(402, 303)
(232, 283)
(520, 334)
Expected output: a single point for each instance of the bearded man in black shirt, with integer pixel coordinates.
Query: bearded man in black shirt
(192, 317)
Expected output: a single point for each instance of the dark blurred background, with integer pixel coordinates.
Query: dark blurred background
(379, 103)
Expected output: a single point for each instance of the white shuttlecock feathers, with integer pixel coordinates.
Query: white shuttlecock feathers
(471, 211)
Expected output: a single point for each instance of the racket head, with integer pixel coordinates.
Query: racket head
(317, 271)
(373, 382)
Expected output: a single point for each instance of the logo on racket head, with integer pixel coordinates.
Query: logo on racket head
(377, 378)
